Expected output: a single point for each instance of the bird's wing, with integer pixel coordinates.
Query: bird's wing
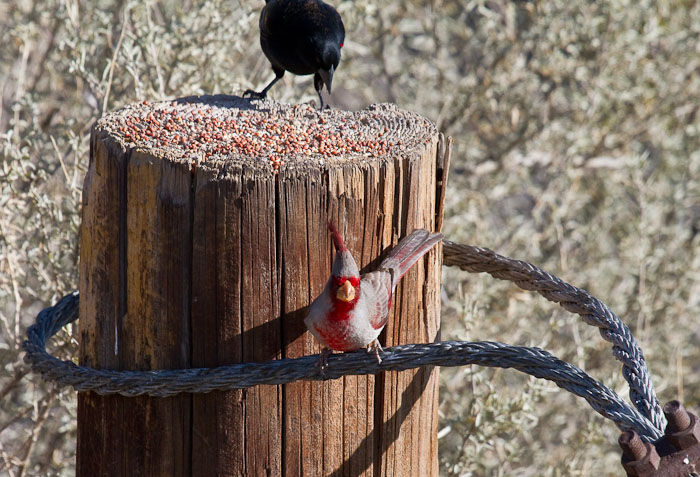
(376, 289)
(300, 19)
(408, 251)
(332, 21)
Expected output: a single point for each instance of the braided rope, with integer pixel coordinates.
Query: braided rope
(648, 419)
(573, 299)
(532, 361)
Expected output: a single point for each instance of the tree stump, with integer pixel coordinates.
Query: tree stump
(204, 241)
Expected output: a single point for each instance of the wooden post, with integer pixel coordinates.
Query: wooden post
(203, 242)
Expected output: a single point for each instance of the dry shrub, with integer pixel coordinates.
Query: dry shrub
(577, 146)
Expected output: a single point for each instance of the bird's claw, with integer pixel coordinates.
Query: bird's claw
(322, 362)
(324, 106)
(375, 347)
(254, 94)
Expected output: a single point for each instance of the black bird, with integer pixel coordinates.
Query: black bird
(303, 37)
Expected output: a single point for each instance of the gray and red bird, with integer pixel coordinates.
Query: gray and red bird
(303, 37)
(353, 309)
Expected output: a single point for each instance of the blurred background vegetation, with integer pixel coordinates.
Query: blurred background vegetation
(577, 148)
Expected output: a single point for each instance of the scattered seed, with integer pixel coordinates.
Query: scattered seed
(274, 134)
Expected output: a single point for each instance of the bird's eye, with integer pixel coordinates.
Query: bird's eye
(354, 281)
(341, 44)
(339, 280)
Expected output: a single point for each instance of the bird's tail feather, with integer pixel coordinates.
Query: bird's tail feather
(408, 251)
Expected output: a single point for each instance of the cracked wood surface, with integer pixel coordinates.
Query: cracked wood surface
(188, 262)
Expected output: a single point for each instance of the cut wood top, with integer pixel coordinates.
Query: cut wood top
(222, 131)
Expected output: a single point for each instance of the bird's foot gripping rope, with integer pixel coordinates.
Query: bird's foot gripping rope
(375, 348)
(322, 362)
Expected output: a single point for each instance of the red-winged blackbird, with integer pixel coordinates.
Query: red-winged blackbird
(303, 37)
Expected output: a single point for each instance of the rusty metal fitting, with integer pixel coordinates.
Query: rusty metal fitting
(639, 459)
(683, 429)
(676, 454)
(677, 416)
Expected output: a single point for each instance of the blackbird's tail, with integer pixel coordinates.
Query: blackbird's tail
(408, 251)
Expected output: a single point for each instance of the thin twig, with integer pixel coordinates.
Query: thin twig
(111, 66)
(7, 460)
(15, 289)
(59, 156)
(17, 417)
(19, 374)
(38, 425)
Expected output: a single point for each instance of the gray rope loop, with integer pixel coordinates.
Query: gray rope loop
(529, 360)
(532, 361)
(573, 299)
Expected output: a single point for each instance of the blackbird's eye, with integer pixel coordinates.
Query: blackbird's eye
(341, 44)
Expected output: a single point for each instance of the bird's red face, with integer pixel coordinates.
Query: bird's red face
(347, 289)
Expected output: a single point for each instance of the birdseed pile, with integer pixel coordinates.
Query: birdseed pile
(226, 128)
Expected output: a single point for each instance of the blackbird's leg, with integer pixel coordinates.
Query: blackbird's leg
(318, 85)
(263, 94)
(375, 347)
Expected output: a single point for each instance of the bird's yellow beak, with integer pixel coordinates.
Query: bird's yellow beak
(346, 292)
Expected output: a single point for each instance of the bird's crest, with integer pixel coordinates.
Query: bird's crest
(337, 239)
(343, 264)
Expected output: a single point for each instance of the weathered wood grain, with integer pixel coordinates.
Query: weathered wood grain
(235, 313)
(149, 288)
(218, 418)
(197, 263)
(155, 330)
(102, 302)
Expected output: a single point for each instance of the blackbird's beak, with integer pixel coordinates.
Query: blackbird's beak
(327, 77)
(346, 292)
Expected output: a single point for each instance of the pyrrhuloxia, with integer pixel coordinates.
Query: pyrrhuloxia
(353, 309)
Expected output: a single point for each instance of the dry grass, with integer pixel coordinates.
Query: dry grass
(577, 148)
